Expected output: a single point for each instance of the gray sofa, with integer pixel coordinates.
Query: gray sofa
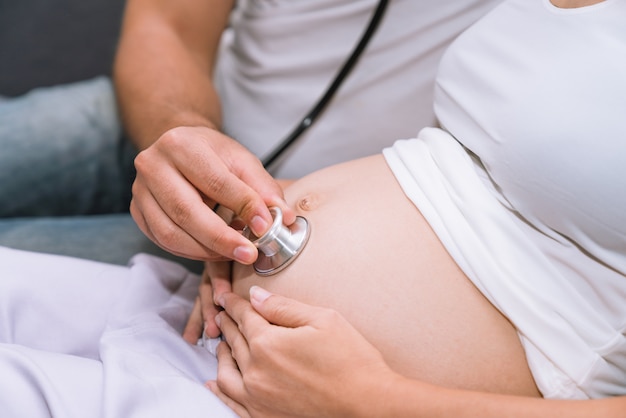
(48, 42)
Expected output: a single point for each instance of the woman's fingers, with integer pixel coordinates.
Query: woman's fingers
(202, 318)
(231, 388)
(219, 273)
(282, 311)
(239, 349)
(236, 407)
(240, 312)
(207, 308)
(195, 324)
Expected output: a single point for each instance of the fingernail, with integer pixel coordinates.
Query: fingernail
(244, 254)
(258, 294)
(218, 320)
(220, 300)
(258, 225)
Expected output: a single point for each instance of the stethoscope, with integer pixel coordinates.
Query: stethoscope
(322, 103)
(281, 244)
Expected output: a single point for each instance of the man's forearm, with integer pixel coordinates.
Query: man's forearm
(161, 81)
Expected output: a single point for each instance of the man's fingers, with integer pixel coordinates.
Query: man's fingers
(186, 224)
(158, 226)
(188, 167)
(230, 191)
(268, 188)
(231, 167)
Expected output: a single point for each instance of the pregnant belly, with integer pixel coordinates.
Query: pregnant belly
(373, 257)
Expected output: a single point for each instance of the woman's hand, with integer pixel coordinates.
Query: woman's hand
(183, 175)
(215, 282)
(285, 358)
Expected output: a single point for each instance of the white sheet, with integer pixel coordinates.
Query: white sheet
(85, 339)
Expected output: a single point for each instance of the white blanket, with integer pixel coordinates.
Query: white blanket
(85, 339)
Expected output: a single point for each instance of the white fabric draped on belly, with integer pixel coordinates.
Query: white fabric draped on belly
(573, 349)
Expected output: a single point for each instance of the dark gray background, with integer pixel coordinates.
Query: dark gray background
(48, 42)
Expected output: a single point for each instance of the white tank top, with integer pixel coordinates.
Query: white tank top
(281, 54)
(527, 191)
(548, 120)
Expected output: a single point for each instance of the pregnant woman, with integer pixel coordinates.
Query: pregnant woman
(488, 254)
(470, 271)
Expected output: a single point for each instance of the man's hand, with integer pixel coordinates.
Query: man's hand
(183, 175)
(285, 358)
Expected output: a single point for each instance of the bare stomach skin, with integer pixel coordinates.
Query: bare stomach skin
(374, 258)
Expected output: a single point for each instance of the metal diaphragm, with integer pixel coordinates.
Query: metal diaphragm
(279, 246)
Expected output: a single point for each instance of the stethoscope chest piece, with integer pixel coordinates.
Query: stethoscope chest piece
(279, 246)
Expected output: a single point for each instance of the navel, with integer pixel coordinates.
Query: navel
(308, 202)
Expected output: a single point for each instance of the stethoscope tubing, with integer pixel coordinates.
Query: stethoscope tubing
(332, 88)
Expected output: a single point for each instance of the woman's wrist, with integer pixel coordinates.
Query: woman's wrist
(387, 394)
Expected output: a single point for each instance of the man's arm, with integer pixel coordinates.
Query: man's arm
(163, 78)
(164, 65)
